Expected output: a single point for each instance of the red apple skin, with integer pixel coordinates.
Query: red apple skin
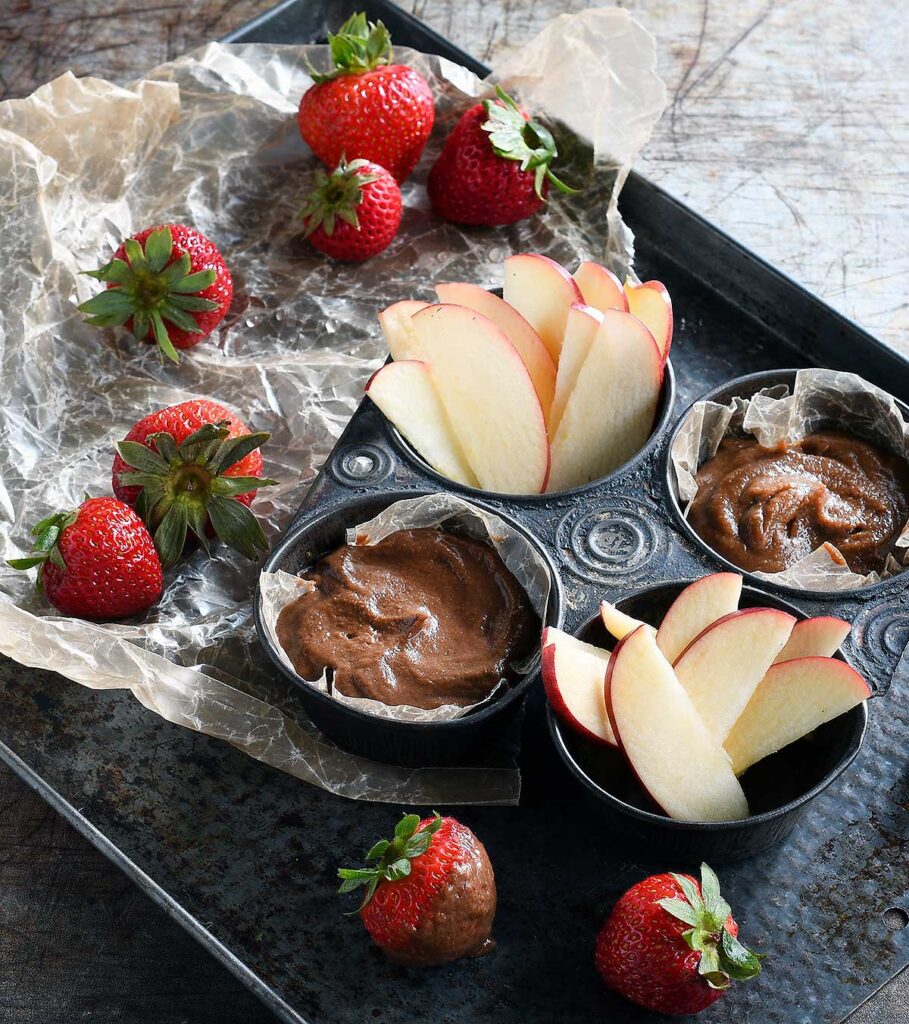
(724, 618)
(691, 588)
(663, 291)
(558, 266)
(607, 694)
(555, 698)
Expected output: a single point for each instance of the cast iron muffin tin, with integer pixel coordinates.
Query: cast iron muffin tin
(622, 538)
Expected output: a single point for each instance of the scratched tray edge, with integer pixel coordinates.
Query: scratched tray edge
(146, 884)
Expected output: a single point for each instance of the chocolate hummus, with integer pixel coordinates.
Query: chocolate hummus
(423, 618)
(765, 508)
(458, 922)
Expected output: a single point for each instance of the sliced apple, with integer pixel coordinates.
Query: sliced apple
(600, 287)
(651, 304)
(525, 339)
(405, 393)
(676, 759)
(617, 623)
(542, 291)
(721, 668)
(793, 698)
(819, 637)
(610, 411)
(488, 396)
(573, 674)
(396, 326)
(580, 328)
(695, 608)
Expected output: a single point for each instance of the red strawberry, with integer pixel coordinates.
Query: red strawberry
(431, 896)
(354, 212)
(96, 562)
(193, 466)
(169, 283)
(670, 945)
(494, 167)
(366, 107)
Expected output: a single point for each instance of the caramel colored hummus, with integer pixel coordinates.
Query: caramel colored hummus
(765, 508)
(423, 618)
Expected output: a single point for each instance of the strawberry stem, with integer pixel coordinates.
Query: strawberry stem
(358, 46)
(393, 857)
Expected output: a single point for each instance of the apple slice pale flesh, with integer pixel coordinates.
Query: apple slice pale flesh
(488, 396)
(721, 668)
(617, 623)
(650, 303)
(610, 412)
(405, 393)
(525, 339)
(820, 637)
(793, 698)
(695, 608)
(573, 674)
(676, 759)
(580, 327)
(395, 321)
(600, 287)
(542, 291)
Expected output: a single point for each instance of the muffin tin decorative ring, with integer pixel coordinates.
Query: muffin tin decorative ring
(883, 628)
(361, 464)
(615, 538)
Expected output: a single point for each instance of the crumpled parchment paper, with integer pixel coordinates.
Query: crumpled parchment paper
(820, 399)
(211, 139)
(447, 511)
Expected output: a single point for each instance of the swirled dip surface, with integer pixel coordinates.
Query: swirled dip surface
(424, 618)
(765, 508)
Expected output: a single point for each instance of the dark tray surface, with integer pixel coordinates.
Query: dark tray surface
(245, 856)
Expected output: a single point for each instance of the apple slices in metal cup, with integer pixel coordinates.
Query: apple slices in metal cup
(713, 691)
(550, 387)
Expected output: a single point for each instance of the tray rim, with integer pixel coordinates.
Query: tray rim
(70, 813)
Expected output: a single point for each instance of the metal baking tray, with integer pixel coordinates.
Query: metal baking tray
(245, 856)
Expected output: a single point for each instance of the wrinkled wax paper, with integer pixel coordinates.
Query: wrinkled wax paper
(819, 400)
(447, 511)
(211, 140)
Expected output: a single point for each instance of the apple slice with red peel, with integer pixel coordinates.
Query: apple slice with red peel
(650, 303)
(488, 396)
(542, 291)
(525, 339)
(721, 668)
(820, 637)
(573, 674)
(695, 608)
(610, 412)
(600, 287)
(580, 328)
(395, 321)
(676, 759)
(405, 393)
(617, 623)
(793, 698)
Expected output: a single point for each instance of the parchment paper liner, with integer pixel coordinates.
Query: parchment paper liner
(447, 511)
(211, 139)
(820, 399)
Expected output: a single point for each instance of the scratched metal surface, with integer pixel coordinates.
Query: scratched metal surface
(249, 855)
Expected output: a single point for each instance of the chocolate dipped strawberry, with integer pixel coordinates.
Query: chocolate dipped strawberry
(430, 893)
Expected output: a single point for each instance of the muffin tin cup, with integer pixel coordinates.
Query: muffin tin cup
(779, 788)
(460, 742)
(608, 539)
